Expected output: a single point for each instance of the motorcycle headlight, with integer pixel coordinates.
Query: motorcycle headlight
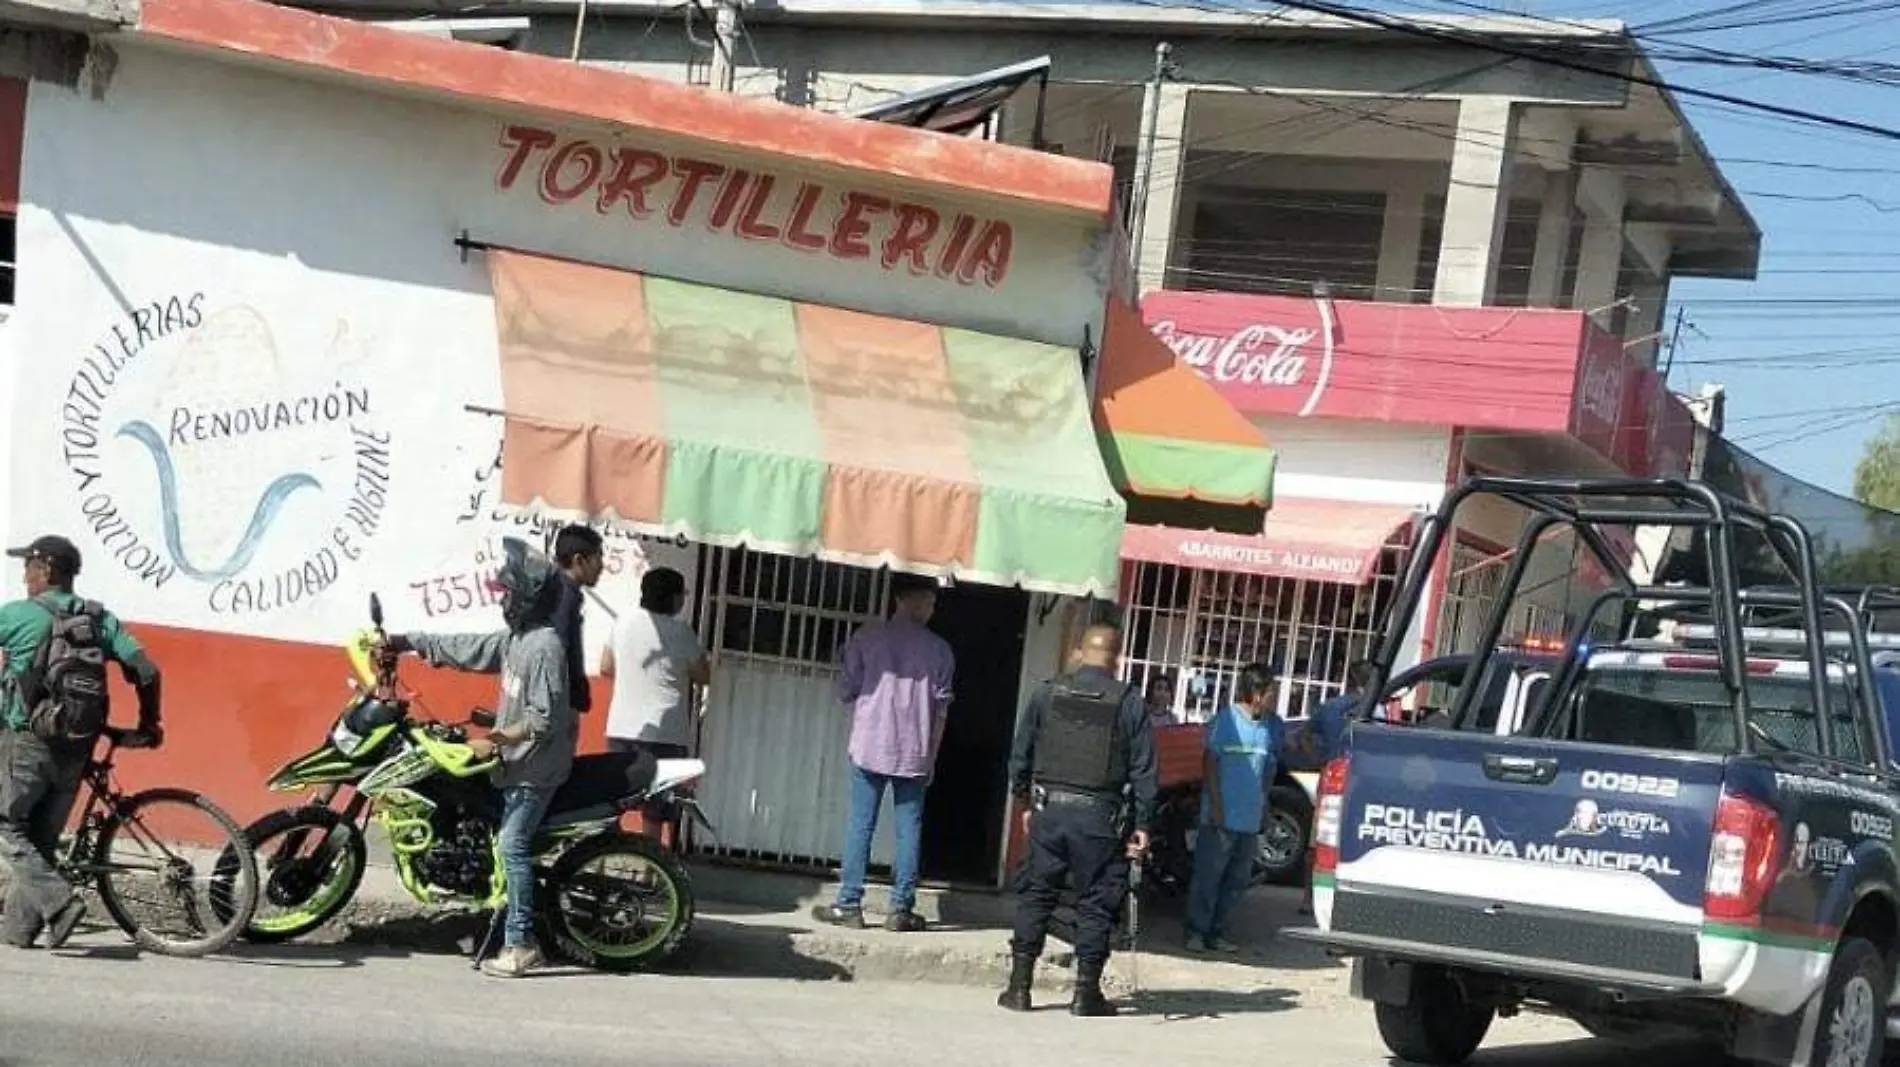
(344, 739)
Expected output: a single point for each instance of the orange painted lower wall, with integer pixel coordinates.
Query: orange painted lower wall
(237, 708)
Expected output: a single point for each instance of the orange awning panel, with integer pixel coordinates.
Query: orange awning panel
(1166, 433)
(734, 418)
(1321, 540)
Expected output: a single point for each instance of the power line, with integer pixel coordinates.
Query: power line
(1470, 40)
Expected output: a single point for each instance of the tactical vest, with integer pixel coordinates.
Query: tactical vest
(1081, 746)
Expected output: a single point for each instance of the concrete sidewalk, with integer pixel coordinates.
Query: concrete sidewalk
(758, 924)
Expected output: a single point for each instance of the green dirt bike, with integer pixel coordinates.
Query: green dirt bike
(429, 792)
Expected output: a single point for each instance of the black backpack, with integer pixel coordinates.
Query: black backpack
(65, 688)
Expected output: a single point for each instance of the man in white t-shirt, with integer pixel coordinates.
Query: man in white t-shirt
(655, 660)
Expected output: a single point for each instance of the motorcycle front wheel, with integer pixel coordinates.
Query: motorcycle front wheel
(311, 861)
(618, 902)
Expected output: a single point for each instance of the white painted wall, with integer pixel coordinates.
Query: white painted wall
(288, 240)
(1368, 462)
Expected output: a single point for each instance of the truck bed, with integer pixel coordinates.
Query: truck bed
(1526, 852)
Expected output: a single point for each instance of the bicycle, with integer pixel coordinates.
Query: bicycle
(149, 819)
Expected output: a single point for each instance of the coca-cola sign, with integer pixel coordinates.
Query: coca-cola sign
(1258, 354)
(1600, 392)
(1517, 370)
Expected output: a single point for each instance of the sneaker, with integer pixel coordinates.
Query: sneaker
(59, 928)
(837, 915)
(1222, 946)
(1196, 943)
(512, 962)
(904, 922)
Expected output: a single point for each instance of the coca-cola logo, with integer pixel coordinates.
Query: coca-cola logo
(1258, 355)
(1600, 394)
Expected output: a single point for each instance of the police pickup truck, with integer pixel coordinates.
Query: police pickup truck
(1676, 845)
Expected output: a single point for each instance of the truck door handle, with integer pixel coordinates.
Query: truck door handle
(1523, 770)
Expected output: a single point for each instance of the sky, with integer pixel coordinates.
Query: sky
(1807, 382)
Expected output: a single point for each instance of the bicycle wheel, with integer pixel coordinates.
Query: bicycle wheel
(161, 849)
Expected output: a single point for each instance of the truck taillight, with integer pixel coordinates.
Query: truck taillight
(1328, 813)
(1744, 853)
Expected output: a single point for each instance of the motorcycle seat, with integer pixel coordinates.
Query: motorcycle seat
(603, 781)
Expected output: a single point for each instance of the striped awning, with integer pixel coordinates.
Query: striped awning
(731, 418)
(1165, 432)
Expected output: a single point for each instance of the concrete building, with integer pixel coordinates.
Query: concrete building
(1391, 166)
(1393, 260)
(309, 309)
(1297, 188)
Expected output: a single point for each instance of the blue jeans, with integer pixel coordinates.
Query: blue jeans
(907, 804)
(1223, 869)
(522, 807)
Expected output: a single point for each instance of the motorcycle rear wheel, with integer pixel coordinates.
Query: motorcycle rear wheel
(312, 888)
(612, 922)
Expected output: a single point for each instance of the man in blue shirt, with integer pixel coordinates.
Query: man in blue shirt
(1243, 744)
(1324, 737)
(1325, 731)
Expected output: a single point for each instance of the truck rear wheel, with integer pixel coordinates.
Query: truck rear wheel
(1853, 1030)
(1438, 1025)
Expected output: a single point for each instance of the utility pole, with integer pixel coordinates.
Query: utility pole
(1675, 335)
(1145, 169)
(725, 38)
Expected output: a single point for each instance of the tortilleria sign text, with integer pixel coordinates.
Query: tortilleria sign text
(640, 185)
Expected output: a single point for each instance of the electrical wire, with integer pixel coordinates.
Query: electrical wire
(1414, 28)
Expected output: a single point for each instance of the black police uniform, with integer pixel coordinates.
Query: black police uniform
(1083, 758)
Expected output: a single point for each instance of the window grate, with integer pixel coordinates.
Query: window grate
(1187, 624)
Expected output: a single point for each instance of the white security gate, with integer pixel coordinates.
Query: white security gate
(773, 732)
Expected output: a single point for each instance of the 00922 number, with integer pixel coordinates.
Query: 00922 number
(1641, 785)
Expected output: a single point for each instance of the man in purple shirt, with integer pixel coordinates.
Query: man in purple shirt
(896, 681)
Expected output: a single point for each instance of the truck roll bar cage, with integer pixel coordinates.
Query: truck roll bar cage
(1584, 505)
(1870, 602)
(1859, 654)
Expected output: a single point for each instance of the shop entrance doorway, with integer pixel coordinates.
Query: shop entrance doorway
(963, 815)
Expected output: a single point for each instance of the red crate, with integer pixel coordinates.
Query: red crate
(1179, 752)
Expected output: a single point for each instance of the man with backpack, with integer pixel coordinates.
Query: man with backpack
(53, 707)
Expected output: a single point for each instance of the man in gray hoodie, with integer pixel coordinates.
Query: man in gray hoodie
(536, 726)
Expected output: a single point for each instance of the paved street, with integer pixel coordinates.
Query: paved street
(339, 1006)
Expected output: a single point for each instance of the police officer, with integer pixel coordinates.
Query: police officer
(1084, 757)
